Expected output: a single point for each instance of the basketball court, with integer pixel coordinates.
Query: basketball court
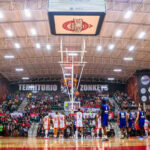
(72, 144)
(73, 47)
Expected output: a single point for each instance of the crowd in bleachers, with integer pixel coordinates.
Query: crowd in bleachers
(39, 103)
(123, 100)
(44, 102)
(10, 124)
(12, 102)
(14, 125)
(89, 99)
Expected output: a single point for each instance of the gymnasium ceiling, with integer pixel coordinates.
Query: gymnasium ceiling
(39, 63)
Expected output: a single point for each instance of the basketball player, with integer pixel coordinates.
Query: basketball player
(122, 122)
(79, 123)
(146, 128)
(140, 119)
(104, 117)
(74, 121)
(98, 123)
(46, 123)
(131, 120)
(56, 124)
(62, 126)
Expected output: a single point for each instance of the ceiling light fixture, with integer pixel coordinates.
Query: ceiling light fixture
(37, 45)
(128, 14)
(131, 48)
(9, 56)
(27, 13)
(1, 15)
(128, 58)
(111, 79)
(48, 46)
(19, 69)
(17, 45)
(9, 33)
(117, 70)
(33, 31)
(118, 33)
(99, 48)
(111, 46)
(25, 78)
(142, 34)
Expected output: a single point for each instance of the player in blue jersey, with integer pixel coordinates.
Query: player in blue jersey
(131, 120)
(122, 122)
(104, 117)
(140, 120)
(73, 126)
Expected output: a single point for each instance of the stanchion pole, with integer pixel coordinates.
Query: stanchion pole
(144, 107)
(72, 91)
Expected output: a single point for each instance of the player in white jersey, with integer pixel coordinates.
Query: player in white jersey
(98, 123)
(56, 124)
(46, 124)
(62, 124)
(79, 123)
(146, 128)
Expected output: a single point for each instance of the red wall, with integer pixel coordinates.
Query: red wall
(4, 89)
(132, 88)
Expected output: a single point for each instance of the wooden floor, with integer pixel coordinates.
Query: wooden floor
(72, 144)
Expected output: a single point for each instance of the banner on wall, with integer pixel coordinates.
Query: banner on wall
(85, 115)
(2, 114)
(16, 114)
(93, 110)
(83, 87)
(34, 114)
(93, 87)
(38, 87)
(144, 86)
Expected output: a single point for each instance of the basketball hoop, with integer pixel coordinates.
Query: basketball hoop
(72, 64)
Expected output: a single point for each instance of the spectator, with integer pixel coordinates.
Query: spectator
(1, 130)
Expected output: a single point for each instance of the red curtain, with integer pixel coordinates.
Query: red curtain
(132, 88)
(4, 90)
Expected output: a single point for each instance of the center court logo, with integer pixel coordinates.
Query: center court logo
(76, 25)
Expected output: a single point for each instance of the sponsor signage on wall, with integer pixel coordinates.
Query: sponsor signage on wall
(38, 87)
(56, 87)
(93, 87)
(144, 86)
(16, 114)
